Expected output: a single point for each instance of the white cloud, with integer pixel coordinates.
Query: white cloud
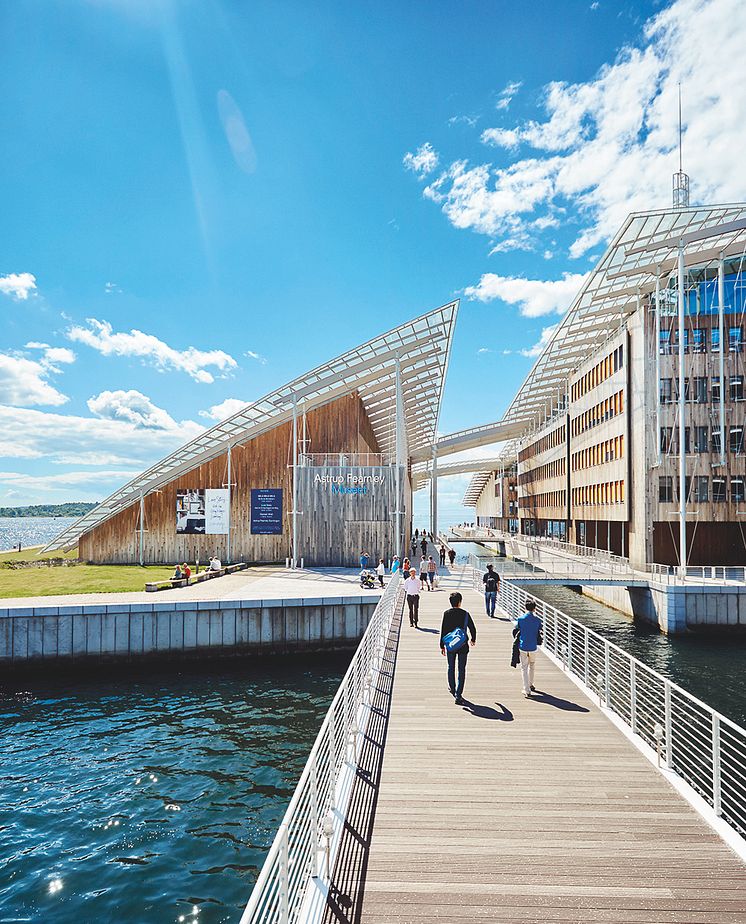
(52, 357)
(471, 121)
(24, 382)
(538, 348)
(262, 360)
(225, 409)
(100, 336)
(534, 297)
(131, 407)
(17, 285)
(111, 288)
(65, 485)
(236, 132)
(607, 147)
(423, 161)
(507, 94)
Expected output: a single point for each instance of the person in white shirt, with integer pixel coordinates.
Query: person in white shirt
(215, 564)
(412, 590)
(380, 571)
(423, 573)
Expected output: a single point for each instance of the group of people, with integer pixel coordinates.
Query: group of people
(182, 572)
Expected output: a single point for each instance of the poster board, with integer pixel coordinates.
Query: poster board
(266, 511)
(217, 512)
(190, 512)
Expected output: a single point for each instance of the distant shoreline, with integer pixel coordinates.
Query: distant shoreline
(55, 511)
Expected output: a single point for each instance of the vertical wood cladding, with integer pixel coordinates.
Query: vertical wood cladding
(341, 426)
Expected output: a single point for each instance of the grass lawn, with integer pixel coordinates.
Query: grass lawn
(74, 579)
(29, 554)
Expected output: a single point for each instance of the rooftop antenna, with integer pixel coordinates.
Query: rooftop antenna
(680, 179)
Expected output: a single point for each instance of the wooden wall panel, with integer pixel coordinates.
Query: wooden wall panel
(341, 426)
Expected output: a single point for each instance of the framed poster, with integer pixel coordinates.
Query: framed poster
(190, 511)
(266, 511)
(217, 501)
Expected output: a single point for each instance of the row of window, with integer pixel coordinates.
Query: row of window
(695, 339)
(606, 451)
(696, 390)
(599, 373)
(511, 488)
(704, 440)
(547, 499)
(600, 412)
(698, 489)
(555, 438)
(596, 495)
(541, 472)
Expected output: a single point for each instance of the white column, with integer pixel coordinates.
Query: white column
(228, 543)
(399, 458)
(721, 328)
(142, 529)
(682, 420)
(434, 487)
(294, 554)
(658, 361)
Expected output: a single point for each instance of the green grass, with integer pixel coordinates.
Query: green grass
(29, 554)
(77, 579)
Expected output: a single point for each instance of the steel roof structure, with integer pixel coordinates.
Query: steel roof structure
(645, 248)
(421, 346)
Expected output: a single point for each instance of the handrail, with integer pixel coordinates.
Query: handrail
(696, 742)
(313, 821)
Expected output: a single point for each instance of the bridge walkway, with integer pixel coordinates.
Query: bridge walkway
(507, 809)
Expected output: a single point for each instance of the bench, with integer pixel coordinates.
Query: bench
(207, 575)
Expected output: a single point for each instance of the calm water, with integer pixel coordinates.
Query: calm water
(141, 799)
(30, 530)
(711, 667)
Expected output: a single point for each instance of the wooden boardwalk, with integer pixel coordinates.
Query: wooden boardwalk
(509, 809)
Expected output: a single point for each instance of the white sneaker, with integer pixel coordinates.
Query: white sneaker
(527, 695)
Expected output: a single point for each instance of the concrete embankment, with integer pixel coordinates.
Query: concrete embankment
(30, 636)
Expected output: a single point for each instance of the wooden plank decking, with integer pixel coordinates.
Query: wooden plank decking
(509, 809)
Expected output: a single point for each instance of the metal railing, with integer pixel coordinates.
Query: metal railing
(304, 845)
(342, 459)
(703, 747)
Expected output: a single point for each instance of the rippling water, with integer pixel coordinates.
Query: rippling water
(30, 530)
(145, 798)
(711, 667)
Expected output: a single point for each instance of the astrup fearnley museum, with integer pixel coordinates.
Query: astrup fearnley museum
(318, 470)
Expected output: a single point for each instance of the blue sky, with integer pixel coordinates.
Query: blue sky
(202, 200)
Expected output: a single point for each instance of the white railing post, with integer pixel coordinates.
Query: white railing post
(283, 876)
(315, 822)
(716, 790)
(586, 659)
(607, 674)
(569, 644)
(667, 722)
(633, 697)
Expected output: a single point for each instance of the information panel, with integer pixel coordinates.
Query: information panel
(217, 501)
(266, 511)
(190, 511)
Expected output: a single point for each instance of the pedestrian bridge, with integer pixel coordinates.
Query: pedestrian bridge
(611, 795)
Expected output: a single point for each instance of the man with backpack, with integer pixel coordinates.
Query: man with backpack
(491, 581)
(528, 631)
(457, 625)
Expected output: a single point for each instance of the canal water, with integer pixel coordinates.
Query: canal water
(151, 797)
(711, 667)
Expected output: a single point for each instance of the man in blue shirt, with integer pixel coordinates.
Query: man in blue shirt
(528, 630)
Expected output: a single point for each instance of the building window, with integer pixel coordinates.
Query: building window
(716, 388)
(735, 440)
(716, 441)
(715, 339)
(699, 389)
(736, 490)
(665, 489)
(666, 439)
(736, 388)
(701, 488)
(664, 345)
(734, 339)
(718, 490)
(701, 439)
(666, 391)
(698, 340)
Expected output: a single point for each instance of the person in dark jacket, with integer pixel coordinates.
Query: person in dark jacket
(491, 581)
(457, 618)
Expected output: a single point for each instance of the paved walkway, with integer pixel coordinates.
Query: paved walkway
(264, 582)
(509, 809)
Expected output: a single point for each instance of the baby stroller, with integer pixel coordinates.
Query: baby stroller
(367, 580)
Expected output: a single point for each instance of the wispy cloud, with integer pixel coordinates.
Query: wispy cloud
(131, 407)
(534, 297)
(18, 285)
(257, 357)
(423, 161)
(538, 348)
(507, 93)
(225, 409)
(100, 336)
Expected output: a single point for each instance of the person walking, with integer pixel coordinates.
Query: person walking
(442, 556)
(395, 564)
(414, 545)
(364, 561)
(423, 573)
(405, 566)
(423, 546)
(528, 630)
(451, 556)
(412, 590)
(457, 625)
(380, 571)
(432, 570)
(491, 581)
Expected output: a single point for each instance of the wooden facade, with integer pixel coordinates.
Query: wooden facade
(263, 462)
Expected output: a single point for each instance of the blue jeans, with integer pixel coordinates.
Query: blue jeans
(461, 655)
(490, 598)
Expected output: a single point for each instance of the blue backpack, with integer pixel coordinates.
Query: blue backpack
(456, 639)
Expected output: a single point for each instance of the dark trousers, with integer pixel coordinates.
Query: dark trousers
(490, 598)
(461, 655)
(413, 601)
(380, 579)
